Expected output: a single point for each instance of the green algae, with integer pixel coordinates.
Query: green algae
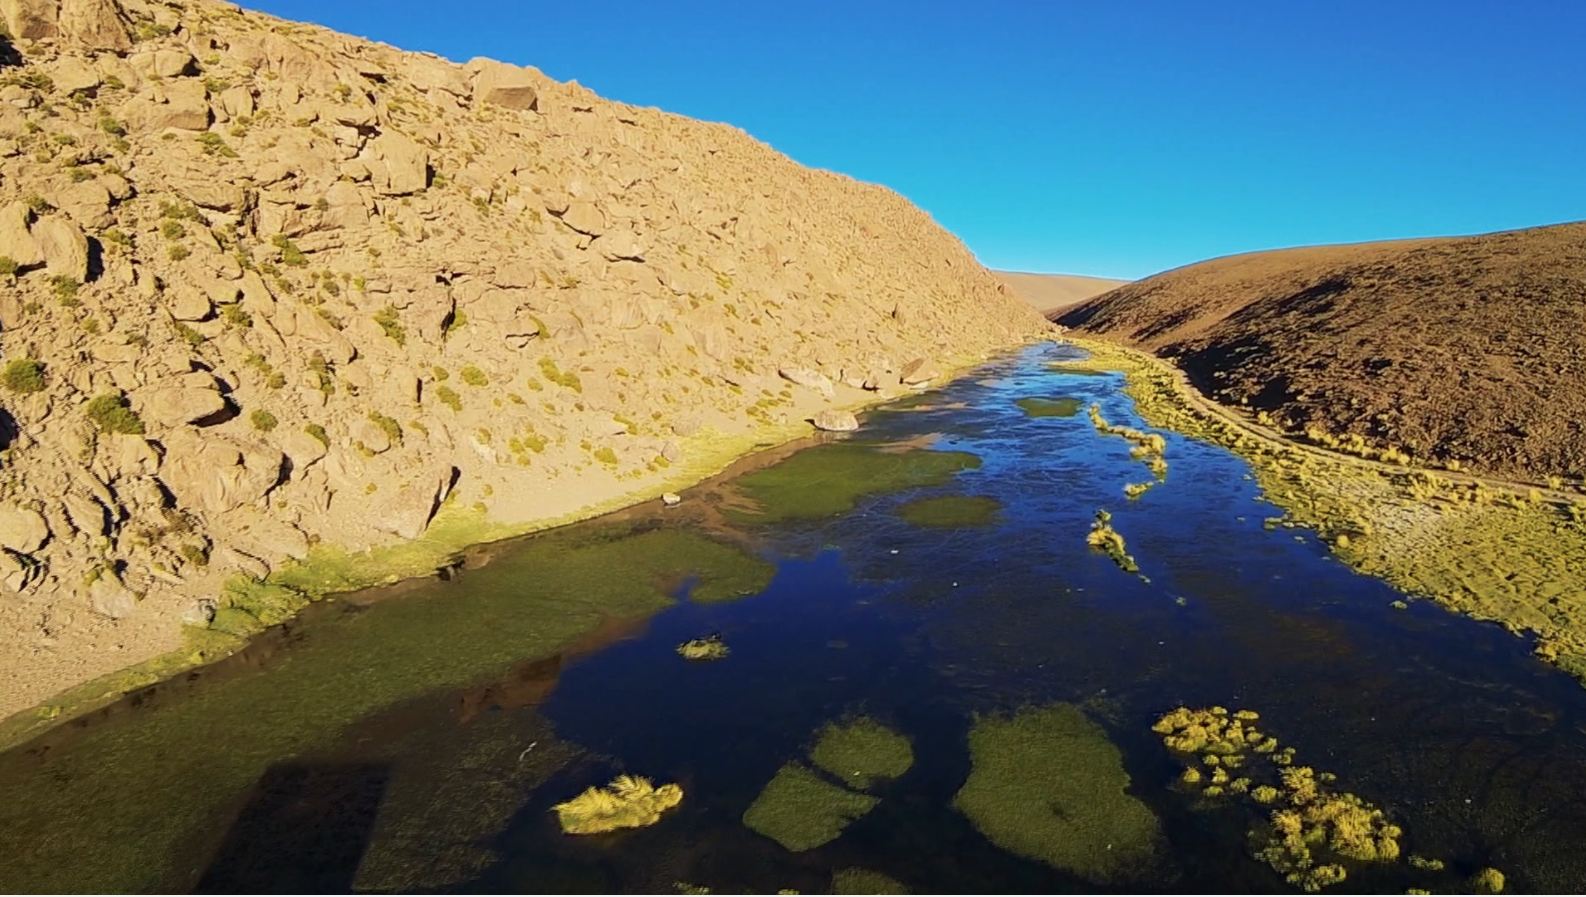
(862, 751)
(801, 810)
(828, 480)
(1048, 784)
(176, 769)
(951, 511)
(1034, 406)
(855, 880)
(1481, 548)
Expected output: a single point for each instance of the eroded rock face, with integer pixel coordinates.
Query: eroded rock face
(291, 286)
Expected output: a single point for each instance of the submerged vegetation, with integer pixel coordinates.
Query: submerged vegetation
(862, 751)
(1311, 831)
(1034, 406)
(951, 511)
(1478, 547)
(828, 480)
(1047, 783)
(802, 809)
(628, 802)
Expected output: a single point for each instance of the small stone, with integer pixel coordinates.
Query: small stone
(671, 499)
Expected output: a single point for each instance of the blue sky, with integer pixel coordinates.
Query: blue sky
(1114, 138)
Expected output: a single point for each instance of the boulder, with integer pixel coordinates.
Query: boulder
(808, 378)
(94, 25)
(16, 242)
(407, 510)
(186, 302)
(187, 399)
(372, 436)
(503, 85)
(109, 597)
(835, 420)
(620, 244)
(403, 165)
(64, 246)
(917, 373)
(218, 475)
(87, 202)
(585, 218)
(72, 74)
(22, 530)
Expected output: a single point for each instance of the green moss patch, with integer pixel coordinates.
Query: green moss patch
(1047, 783)
(952, 511)
(1039, 407)
(800, 810)
(828, 480)
(176, 769)
(861, 752)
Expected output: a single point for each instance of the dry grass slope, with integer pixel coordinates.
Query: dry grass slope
(1469, 350)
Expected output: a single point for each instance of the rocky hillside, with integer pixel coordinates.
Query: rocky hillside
(1468, 351)
(269, 286)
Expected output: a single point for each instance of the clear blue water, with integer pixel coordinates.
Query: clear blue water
(1470, 744)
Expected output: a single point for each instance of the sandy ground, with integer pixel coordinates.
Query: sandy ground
(1052, 293)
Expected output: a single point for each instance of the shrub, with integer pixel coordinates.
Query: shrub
(263, 421)
(234, 315)
(318, 432)
(449, 397)
(171, 229)
(474, 376)
(390, 321)
(65, 289)
(290, 254)
(393, 430)
(8, 266)
(23, 375)
(111, 414)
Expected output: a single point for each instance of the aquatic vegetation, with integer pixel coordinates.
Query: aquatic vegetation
(1474, 546)
(1148, 447)
(801, 810)
(1106, 539)
(1133, 491)
(951, 511)
(711, 647)
(58, 834)
(1038, 407)
(1046, 783)
(1487, 881)
(628, 802)
(861, 751)
(854, 880)
(828, 480)
(1312, 827)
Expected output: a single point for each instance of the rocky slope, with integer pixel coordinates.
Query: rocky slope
(1466, 351)
(268, 286)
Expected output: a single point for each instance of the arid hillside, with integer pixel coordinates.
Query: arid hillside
(1467, 350)
(1054, 293)
(268, 287)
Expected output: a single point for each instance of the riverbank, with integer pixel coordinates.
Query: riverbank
(38, 702)
(1509, 552)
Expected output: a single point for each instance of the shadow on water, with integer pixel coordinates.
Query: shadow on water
(415, 739)
(303, 831)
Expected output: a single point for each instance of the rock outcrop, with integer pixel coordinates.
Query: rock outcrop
(270, 286)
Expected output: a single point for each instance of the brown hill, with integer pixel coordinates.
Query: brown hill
(1052, 293)
(1467, 349)
(269, 287)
